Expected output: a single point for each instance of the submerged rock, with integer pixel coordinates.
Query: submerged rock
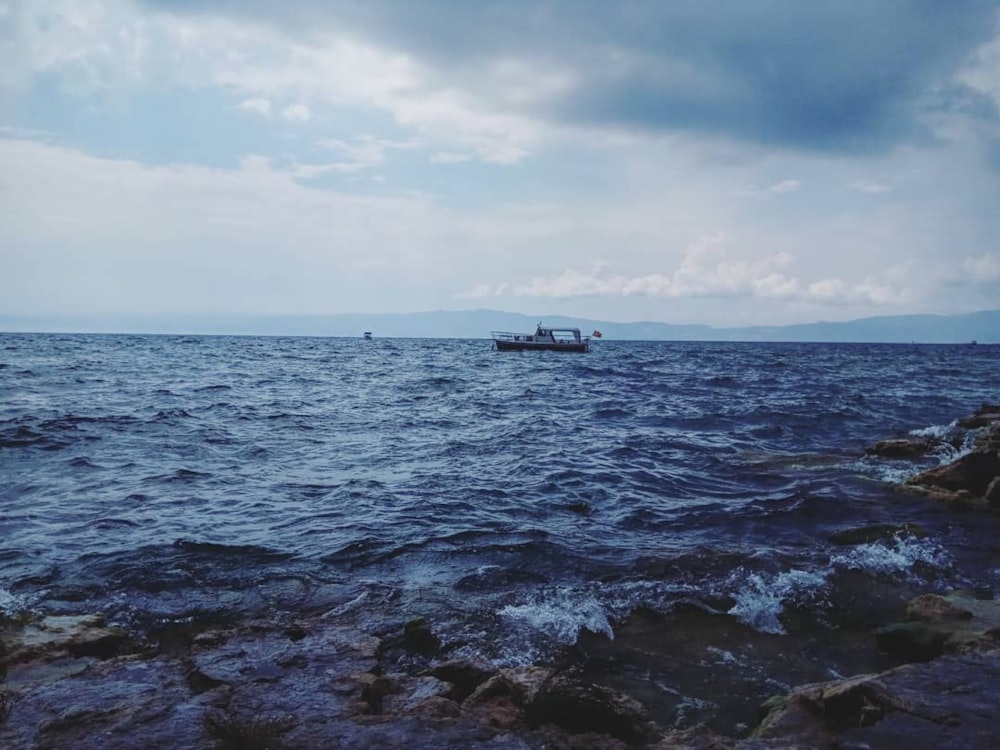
(878, 533)
(908, 447)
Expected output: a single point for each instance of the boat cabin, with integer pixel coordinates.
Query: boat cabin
(544, 338)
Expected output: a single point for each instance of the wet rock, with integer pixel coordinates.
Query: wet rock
(228, 729)
(984, 416)
(419, 639)
(972, 473)
(423, 690)
(416, 638)
(970, 480)
(521, 684)
(54, 637)
(989, 439)
(911, 641)
(578, 705)
(500, 701)
(464, 677)
(375, 687)
(992, 494)
(948, 702)
(702, 738)
(940, 609)
(436, 707)
(908, 447)
(878, 533)
(935, 625)
(114, 704)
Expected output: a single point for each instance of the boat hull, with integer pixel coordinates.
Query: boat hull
(537, 346)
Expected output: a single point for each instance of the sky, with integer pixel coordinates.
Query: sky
(739, 162)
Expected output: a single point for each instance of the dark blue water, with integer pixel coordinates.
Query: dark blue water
(514, 498)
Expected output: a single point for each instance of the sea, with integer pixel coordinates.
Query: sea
(516, 500)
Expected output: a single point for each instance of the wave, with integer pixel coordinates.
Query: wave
(503, 493)
(183, 476)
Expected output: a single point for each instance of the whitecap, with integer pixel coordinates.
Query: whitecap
(560, 615)
(12, 605)
(897, 556)
(760, 600)
(935, 430)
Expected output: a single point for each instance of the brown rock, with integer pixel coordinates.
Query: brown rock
(964, 481)
(935, 608)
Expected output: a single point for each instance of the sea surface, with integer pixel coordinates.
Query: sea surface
(515, 500)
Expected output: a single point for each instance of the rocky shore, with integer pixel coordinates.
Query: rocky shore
(325, 682)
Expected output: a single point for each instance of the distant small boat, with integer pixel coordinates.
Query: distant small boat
(368, 336)
(543, 339)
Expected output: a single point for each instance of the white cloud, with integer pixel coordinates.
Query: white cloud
(785, 186)
(90, 47)
(482, 291)
(297, 113)
(345, 72)
(260, 106)
(449, 157)
(982, 269)
(871, 186)
(123, 236)
(359, 154)
(983, 71)
(827, 290)
(708, 271)
(115, 46)
(598, 192)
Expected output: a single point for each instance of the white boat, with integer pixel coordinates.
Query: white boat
(544, 338)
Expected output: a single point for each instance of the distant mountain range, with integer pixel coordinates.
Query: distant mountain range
(982, 327)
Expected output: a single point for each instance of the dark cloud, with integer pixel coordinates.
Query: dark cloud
(837, 76)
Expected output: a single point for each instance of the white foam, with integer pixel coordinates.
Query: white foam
(723, 656)
(891, 473)
(896, 556)
(760, 600)
(935, 430)
(343, 609)
(621, 598)
(560, 615)
(12, 605)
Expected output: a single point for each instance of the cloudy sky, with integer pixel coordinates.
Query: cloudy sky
(732, 162)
